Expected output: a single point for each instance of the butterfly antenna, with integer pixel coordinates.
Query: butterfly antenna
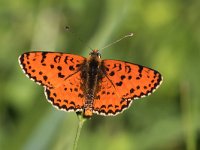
(79, 39)
(128, 35)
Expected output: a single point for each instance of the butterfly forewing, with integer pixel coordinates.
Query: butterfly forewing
(60, 75)
(131, 80)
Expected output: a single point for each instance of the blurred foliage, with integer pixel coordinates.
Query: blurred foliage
(167, 38)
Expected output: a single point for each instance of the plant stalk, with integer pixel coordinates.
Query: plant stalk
(80, 125)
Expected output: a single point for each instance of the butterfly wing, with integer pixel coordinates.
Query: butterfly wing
(59, 73)
(123, 82)
(108, 100)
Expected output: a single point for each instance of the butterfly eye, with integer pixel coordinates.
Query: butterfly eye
(98, 55)
(95, 53)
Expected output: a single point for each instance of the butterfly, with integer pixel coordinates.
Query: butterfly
(89, 85)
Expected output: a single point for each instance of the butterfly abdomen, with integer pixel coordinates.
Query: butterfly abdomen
(90, 74)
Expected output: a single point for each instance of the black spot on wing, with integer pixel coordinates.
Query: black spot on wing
(137, 78)
(123, 77)
(117, 65)
(103, 92)
(110, 105)
(52, 66)
(129, 77)
(72, 103)
(59, 68)
(103, 107)
(131, 90)
(75, 89)
(60, 75)
(71, 68)
(80, 95)
(57, 59)
(140, 69)
(112, 73)
(43, 56)
(78, 65)
(127, 69)
(66, 101)
(45, 78)
(65, 60)
(119, 83)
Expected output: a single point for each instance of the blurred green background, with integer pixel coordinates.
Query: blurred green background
(167, 38)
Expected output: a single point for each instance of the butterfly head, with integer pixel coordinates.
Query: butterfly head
(95, 53)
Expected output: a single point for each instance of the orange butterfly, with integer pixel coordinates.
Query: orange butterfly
(89, 85)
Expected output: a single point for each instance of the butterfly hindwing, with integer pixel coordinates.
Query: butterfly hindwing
(108, 101)
(69, 96)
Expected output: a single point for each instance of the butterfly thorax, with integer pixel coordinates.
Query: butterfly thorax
(91, 74)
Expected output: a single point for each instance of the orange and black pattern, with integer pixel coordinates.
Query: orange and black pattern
(75, 83)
